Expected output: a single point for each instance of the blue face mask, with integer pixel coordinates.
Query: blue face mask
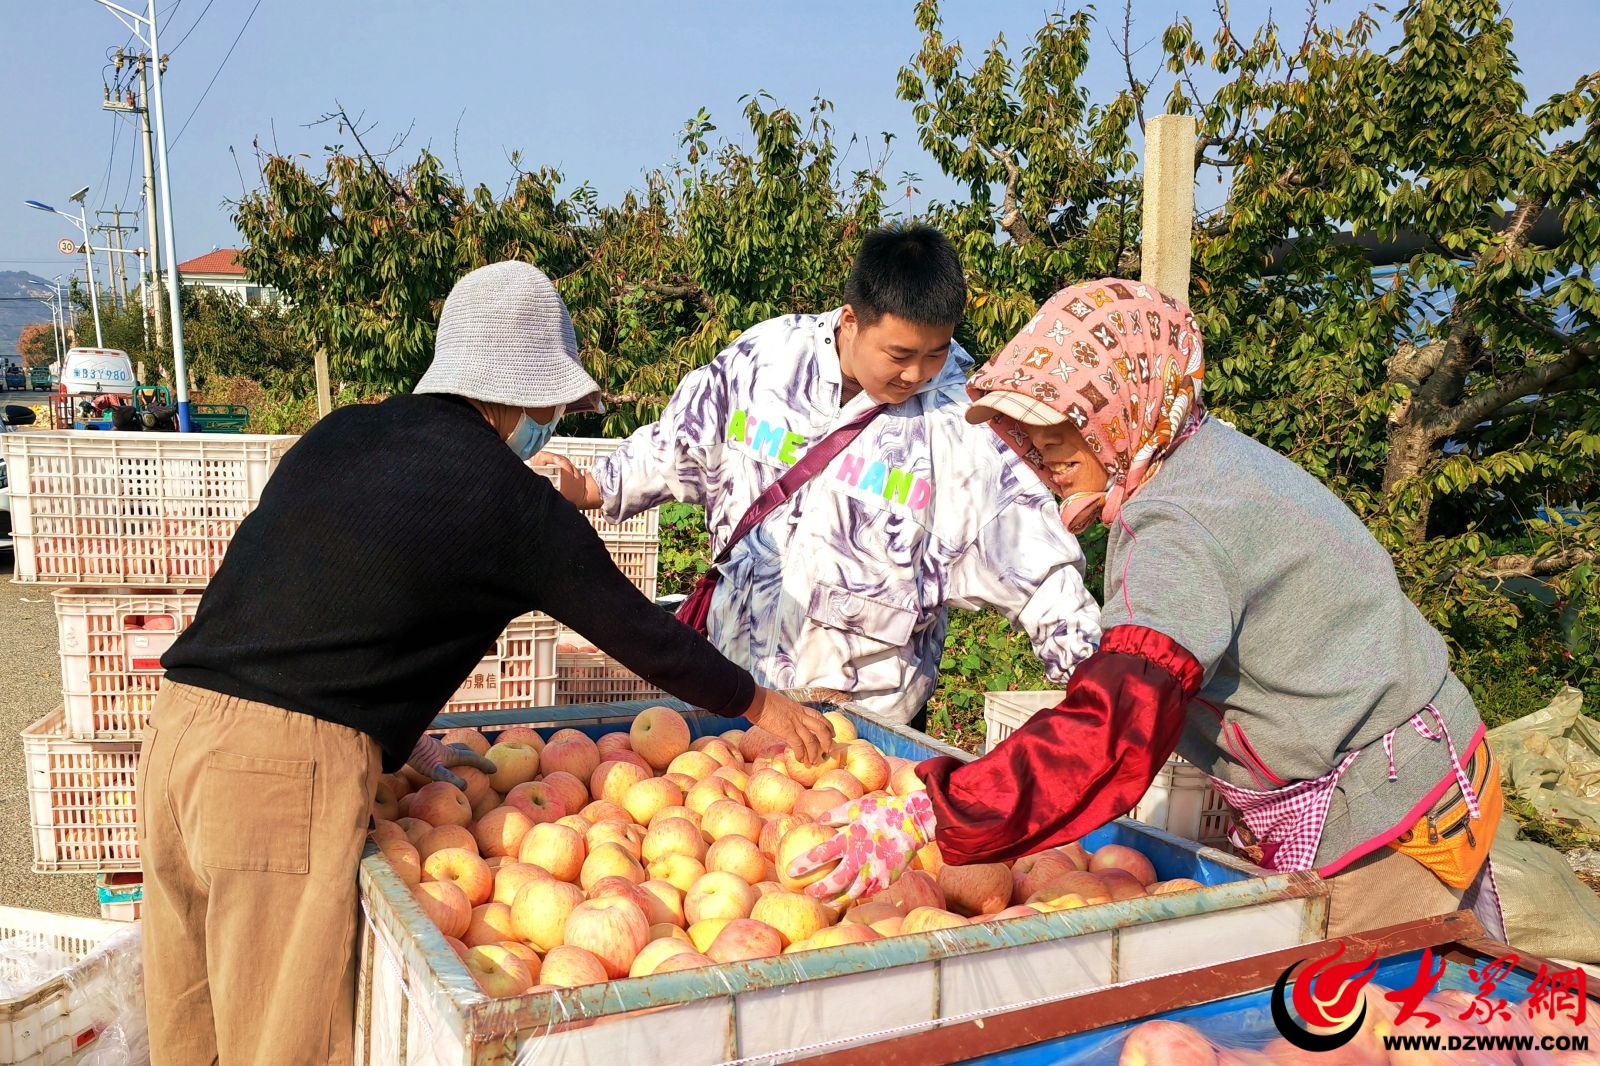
(530, 436)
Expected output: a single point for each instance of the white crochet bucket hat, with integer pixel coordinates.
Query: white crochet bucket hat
(505, 337)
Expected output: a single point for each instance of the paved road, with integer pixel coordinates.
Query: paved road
(30, 687)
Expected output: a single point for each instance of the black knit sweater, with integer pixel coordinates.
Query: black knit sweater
(390, 549)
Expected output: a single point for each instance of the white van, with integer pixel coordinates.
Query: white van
(92, 371)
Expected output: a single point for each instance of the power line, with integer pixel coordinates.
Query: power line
(105, 183)
(214, 77)
(191, 29)
(127, 186)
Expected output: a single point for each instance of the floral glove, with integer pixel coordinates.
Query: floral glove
(878, 839)
(433, 759)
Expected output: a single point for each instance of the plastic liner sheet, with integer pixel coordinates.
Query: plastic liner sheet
(1244, 1024)
(109, 982)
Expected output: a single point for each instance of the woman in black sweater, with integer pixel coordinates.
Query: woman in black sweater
(390, 549)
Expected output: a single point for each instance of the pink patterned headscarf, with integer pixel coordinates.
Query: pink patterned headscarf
(1123, 363)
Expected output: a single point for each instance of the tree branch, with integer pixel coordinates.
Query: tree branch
(1516, 231)
(1428, 359)
(1477, 408)
(1532, 406)
(1564, 341)
(1557, 562)
(1011, 219)
(675, 290)
(399, 190)
(1305, 42)
(650, 399)
(1127, 62)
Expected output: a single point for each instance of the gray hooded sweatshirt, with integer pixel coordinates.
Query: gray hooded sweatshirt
(1310, 648)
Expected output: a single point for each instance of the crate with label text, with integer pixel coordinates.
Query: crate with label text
(70, 987)
(111, 643)
(520, 671)
(584, 674)
(153, 509)
(121, 895)
(1180, 799)
(82, 802)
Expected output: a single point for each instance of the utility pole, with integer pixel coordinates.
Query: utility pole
(67, 340)
(139, 25)
(144, 300)
(140, 107)
(115, 232)
(110, 283)
(150, 199)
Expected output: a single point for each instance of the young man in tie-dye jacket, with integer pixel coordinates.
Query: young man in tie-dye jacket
(844, 587)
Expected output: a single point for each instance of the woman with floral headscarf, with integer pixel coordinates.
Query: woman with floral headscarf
(1252, 624)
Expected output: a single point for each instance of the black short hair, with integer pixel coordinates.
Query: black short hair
(910, 271)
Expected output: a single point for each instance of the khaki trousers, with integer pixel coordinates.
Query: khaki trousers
(1385, 888)
(251, 825)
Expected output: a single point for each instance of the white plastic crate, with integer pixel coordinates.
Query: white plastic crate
(121, 896)
(156, 509)
(82, 804)
(635, 544)
(583, 451)
(585, 675)
(1004, 712)
(111, 644)
(64, 1016)
(519, 672)
(1180, 800)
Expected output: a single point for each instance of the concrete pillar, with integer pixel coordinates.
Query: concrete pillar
(1168, 203)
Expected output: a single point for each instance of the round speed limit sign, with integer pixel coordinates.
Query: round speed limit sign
(67, 246)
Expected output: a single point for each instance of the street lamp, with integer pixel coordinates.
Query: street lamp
(88, 257)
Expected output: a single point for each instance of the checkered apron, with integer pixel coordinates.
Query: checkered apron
(1287, 822)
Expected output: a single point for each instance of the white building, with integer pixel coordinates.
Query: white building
(220, 269)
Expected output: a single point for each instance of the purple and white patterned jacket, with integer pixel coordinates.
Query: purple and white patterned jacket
(845, 586)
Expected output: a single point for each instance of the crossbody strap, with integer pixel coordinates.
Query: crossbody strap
(814, 462)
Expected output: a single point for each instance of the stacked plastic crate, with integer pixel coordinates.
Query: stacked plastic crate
(132, 525)
(583, 673)
(1180, 800)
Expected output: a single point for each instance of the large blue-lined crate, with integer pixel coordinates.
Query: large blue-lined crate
(1230, 1004)
(418, 1005)
(1244, 1021)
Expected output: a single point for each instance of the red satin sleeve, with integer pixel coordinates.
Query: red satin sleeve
(1072, 769)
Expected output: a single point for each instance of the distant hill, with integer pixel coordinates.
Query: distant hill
(16, 310)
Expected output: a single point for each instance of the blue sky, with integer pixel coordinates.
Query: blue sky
(598, 89)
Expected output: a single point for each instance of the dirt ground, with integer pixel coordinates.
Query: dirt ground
(30, 687)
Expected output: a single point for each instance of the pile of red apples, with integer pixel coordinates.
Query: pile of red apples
(580, 861)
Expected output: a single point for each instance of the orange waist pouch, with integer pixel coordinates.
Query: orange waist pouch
(1448, 840)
